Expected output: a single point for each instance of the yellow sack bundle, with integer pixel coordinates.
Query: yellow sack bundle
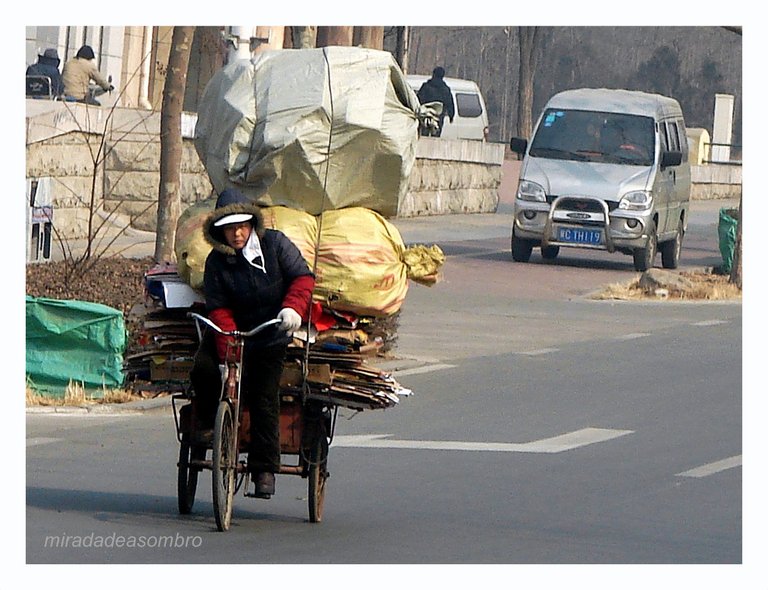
(363, 266)
(191, 247)
(360, 263)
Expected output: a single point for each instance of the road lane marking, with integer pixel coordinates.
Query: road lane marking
(425, 369)
(41, 440)
(538, 352)
(710, 323)
(632, 336)
(712, 468)
(555, 444)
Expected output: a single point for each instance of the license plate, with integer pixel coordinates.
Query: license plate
(574, 235)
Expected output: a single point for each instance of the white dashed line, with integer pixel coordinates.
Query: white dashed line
(419, 370)
(33, 442)
(712, 468)
(710, 323)
(539, 351)
(555, 444)
(633, 336)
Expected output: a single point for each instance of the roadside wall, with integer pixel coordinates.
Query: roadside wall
(114, 155)
(715, 181)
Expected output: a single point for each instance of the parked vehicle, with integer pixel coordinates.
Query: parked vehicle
(471, 118)
(608, 170)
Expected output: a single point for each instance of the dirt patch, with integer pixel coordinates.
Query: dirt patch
(706, 285)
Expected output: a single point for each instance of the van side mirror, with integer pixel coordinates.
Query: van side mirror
(671, 159)
(518, 145)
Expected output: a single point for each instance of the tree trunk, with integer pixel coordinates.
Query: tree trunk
(169, 196)
(527, 39)
(401, 52)
(304, 37)
(327, 36)
(370, 37)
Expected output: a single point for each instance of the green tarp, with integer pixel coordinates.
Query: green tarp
(73, 341)
(727, 229)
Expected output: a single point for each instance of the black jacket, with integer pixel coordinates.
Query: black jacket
(48, 66)
(436, 90)
(230, 281)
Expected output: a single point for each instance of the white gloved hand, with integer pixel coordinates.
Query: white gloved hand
(290, 321)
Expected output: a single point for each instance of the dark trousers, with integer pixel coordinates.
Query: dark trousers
(259, 391)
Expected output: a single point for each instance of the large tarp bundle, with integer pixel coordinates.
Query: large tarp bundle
(73, 341)
(318, 129)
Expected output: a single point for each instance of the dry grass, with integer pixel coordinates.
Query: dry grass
(76, 395)
(706, 287)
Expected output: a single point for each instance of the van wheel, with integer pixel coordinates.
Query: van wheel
(644, 257)
(521, 249)
(670, 251)
(550, 252)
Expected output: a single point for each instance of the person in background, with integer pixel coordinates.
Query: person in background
(48, 65)
(77, 75)
(252, 275)
(436, 90)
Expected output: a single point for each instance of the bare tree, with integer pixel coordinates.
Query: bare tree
(401, 53)
(304, 37)
(327, 36)
(169, 195)
(527, 38)
(370, 37)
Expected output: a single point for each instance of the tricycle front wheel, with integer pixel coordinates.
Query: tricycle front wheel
(318, 476)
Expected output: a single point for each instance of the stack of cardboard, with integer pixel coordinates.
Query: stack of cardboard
(167, 339)
(341, 376)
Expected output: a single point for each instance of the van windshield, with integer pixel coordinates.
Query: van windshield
(592, 136)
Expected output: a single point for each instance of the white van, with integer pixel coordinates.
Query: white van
(608, 170)
(471, 118)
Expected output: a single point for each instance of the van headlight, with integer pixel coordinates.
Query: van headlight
(636, 201)
(530, 191)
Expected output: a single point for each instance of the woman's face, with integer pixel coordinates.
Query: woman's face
(237, 234)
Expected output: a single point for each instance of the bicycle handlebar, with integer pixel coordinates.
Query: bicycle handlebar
(252, 332)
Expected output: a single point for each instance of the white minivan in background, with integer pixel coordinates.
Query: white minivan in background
(471, 118)
(607, 170)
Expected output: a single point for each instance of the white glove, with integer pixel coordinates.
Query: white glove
(290, 321)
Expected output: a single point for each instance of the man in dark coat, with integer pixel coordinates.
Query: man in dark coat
(252, 275)
(48, 65)
(436, 90)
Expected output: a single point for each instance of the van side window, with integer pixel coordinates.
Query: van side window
(674, 139)
(468, 105)
(682, 139)
(664, 137)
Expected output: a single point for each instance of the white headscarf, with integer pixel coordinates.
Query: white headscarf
(252, 252)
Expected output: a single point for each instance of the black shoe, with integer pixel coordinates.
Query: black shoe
(265, 484)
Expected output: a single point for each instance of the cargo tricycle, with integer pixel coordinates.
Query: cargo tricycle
(306, 426)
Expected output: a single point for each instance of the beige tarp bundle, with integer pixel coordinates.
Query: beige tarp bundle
(319, 129)
(361, 264)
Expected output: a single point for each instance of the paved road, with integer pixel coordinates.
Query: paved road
(544, 428)
(627, 450)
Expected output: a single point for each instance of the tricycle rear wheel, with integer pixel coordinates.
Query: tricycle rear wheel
(187, 475)
(318, 476)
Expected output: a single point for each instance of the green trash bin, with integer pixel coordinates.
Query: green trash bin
(727, 229)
